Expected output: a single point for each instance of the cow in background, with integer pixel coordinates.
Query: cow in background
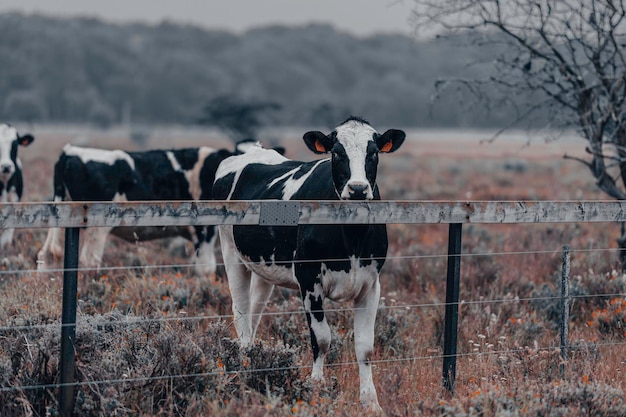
(90, 174)
(11, 179)
(338, 262)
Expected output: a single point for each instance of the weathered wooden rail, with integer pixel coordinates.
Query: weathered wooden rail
(75, 215)
(160, 213)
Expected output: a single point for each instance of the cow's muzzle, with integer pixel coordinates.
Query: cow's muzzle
(357, 191)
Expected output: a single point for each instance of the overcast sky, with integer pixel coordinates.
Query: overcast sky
(358, 17)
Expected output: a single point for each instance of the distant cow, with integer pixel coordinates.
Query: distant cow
(339, 262)
(11, 180)
(89, 174)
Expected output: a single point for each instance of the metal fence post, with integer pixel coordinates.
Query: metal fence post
(452, 305)
(68, 322)
(564, 308)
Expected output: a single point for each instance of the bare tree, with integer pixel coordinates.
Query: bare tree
(569, 52)
(238, 118)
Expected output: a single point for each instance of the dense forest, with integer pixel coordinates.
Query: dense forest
(87, 70)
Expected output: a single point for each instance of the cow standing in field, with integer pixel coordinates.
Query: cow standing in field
(11, 180)
(89, 174)
(339, 262)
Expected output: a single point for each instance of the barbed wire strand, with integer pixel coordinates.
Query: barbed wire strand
(302, 367)
(301, 310)
(396, 257)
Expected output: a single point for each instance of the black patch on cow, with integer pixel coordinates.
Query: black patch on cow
(207, 173)
(304, 169)
(267, 243)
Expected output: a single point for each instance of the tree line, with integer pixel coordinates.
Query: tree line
(88, 70)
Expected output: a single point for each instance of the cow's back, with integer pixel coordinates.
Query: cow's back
(94, 180)
(245, 179)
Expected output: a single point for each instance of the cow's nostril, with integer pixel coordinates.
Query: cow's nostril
(357, 191)
(357, 188)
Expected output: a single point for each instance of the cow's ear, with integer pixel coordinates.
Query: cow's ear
(318, 142)
(390, 140)
(26, 139)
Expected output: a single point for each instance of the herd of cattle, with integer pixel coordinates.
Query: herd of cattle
(338, 262)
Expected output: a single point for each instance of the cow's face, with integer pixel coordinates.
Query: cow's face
(9, 141)
(354, 146)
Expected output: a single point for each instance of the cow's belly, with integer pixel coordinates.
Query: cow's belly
(344, 286)
(279, 275)
(263, 263)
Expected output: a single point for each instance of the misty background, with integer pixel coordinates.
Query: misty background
(85, 70)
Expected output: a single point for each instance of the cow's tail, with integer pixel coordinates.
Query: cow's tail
(59, 179)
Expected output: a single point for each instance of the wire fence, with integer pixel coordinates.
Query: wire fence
(132, 320)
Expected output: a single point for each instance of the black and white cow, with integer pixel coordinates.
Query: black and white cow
(339, 262)
(11, 180)
(90, 174)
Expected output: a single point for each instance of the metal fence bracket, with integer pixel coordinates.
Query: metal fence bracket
(279, 213)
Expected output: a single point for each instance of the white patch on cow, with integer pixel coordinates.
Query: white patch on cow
(364, 320)
(104, 156)
(347, 286)
(291, 185)
(355, 136)
(205, 263)
(236, 164)
(173, 161)
(8, 135)
(193, 175)
(244, 147)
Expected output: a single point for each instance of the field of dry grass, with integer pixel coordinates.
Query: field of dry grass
(153, 339)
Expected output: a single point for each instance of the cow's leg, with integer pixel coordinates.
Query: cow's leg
(6, 237)
(260, 292)
(364, 321)
(205, 263)
(93, 247)
(239, 280)
(51, 245)
(312, 297)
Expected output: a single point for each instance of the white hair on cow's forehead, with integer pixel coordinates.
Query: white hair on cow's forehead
(354, 135)
(7, 133)
(354, 132)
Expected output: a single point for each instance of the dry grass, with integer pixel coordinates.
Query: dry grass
(142, 350)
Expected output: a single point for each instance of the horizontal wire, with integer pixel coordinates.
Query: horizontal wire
(396, 257)
(300, 367)
(301, 310)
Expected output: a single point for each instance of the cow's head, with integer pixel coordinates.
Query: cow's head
(354, 146)
(9, 141)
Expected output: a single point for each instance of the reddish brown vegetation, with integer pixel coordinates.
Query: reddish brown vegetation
(139, 326)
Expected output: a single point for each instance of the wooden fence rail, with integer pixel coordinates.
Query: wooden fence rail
(75, 215)
(160, 213)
